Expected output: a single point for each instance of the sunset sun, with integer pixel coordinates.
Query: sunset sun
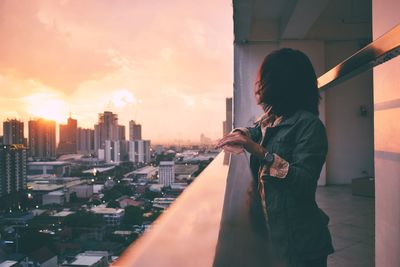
(48, 106)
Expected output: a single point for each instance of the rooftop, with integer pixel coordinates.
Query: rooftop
(100, 170)
(57, 193)
(102, 210)
(48, 163)
(145, 170)
(63, 213)
(8, 263)
(86, 260)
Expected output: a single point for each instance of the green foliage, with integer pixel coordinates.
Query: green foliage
(32, 240)
(164, 157)
(16, 201)
(154, 216)
(95, 202)
(117, 191)
(113, 204)
(83, 219)
(133, 215)
(150, 195)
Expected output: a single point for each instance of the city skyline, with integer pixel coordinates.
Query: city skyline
(59, 132)
(83, 58)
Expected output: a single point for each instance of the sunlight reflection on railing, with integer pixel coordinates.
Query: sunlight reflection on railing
(187, 233)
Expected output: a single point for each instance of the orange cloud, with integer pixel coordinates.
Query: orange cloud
(167, 64)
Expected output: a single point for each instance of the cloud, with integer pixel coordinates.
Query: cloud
(167, 64)
(36, 47)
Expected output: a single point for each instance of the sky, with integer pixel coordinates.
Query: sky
(165, 64)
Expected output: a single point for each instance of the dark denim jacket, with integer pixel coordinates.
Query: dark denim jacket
(297, 227)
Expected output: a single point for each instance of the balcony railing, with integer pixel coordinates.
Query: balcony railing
(379, 51)
(208, 225)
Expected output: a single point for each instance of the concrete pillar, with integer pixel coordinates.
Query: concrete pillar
(387, 142)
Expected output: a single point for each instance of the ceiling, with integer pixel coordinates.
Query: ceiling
(272, 20)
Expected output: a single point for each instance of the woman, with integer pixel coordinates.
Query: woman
(288, 148)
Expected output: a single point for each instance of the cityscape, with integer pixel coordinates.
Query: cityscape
(83, 200)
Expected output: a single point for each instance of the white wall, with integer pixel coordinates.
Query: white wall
(350, 135)
(386, 14)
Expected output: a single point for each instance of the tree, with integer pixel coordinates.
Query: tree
(117, 191)
(83, 219)
(154, 216)
(133, 215)
(113, 204)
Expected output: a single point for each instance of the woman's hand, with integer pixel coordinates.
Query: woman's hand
(239, 139)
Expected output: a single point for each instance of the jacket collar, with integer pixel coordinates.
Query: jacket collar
(285, 120)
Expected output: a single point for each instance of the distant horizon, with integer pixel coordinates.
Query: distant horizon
(172, 76)
(167, 142)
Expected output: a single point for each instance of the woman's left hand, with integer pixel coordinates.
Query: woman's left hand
(237, 138)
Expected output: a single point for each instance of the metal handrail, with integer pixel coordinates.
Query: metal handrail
(186, 234)
(377, 52)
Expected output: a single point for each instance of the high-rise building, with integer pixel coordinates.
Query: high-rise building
(204, 140)
(227, 124)
(42, 139)
(166, 172)
(115, 151)
(85, 141)
(139, 151)
(13, 132)
(68, 134)
(121, 132)
(105, 129)
(12, 169)
(135, 131)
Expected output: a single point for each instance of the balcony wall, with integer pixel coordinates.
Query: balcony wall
(386, 15)
(210, 224)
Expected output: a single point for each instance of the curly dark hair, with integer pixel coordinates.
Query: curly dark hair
(287, 83)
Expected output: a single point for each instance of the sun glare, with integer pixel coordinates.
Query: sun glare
(48, 106)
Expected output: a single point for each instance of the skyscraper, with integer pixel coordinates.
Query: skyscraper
(135, 131)
(115, 151)
(121, 132)
(68, 134)
(12, 169)
(13, 132)
(227, 124)
(85, 140)
(106, 129)
(166, 172)
(42, 139)
(139, 151)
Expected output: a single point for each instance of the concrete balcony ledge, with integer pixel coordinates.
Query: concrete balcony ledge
(208, 225)
(187, 233)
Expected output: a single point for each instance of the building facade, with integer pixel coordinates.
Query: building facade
(139, 151)
(13, 160)
(68, 136)
(112, 217)
(115, 151)
(166, 172)
(106, 129)
(85, 141)
(13, 132)
(227, 124)
(42, 139)
(121, 132)
(135, 131)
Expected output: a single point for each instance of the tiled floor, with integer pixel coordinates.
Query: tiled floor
(352, 225)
